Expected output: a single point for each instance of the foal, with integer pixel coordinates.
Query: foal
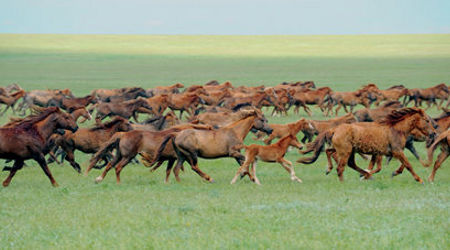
(268, 153)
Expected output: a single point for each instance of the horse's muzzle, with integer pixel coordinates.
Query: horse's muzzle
(74, 129)
(268, 130)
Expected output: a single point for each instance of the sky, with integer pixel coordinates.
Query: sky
(225, 17)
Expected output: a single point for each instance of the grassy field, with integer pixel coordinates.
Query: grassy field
(145, 212)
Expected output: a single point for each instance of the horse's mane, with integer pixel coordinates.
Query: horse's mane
(443, 87)
(109, 124)
(29, 121)
(391, 103)
(396, 116)
(401, 86)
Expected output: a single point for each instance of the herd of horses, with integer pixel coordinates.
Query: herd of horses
(218, 117)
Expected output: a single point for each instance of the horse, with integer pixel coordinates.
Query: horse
(146, 143)
(89, 140)
(370, 115)
(158, 122)
(123, 109)
(173, 89)
(11, 100)
(30, 135)
(391, 94)
(282, 130)
(269, 153)
(80, 112)
(444, 141)
(193, 143)
(159, 103)
(320, 126)
(311, 97)
(186, 101)
(429, 95)
(387, 137)
(220, 119)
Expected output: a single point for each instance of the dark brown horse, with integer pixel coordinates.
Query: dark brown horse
(444, 141)
(30, 136)
(387, 137)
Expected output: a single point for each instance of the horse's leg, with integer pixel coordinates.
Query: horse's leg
(177, 168)
(405, 163)
(352, 164)
(108, 167)
(154, 168)
(122, 163)
(193, 161)
(378, 161)
(253, 174)
(70, 157)
(331, 152)
(440, 159)
(269, 139)
(307, 110)
(18, 164)
(288, 166)
(39, 157)
(249, 160)
(168, 169)
(372, 162)
(343, 160)
(410, 146)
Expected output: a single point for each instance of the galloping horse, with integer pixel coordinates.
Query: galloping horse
(387, 137)
(268, 153)
(192, 143)
(26, 138)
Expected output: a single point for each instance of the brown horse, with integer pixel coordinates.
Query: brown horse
(282, 130)
(173, 89)
(74, 103)
(393, 93)
(387, 137)
(158, 123)
(150, 144)
(123, 109)
(30, 139)
(186, 101)
(429, 95)
(80, 112)
(444, 141)
(192, 143)
(11, 100)
(89, 140)
(128, 145)
(321, 126)
(362, 96)
(221, 119)
(159, 103)
(311, 97)
(370, 115)
(269, 153)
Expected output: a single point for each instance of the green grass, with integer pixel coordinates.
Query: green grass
(145, 212)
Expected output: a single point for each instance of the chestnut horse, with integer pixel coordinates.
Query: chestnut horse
(387, 137)
(269, 153)
(192, 143)
(30, 139)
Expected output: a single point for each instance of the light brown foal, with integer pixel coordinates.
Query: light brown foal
(268, 153)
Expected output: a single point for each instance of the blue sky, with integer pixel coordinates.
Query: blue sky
(225, 17)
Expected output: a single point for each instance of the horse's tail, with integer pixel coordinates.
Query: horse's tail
(160, 150)
(433, 147)
(106, 148)
(316, 146)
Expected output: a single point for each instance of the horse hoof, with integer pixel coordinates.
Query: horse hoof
(55, 184)
(211, 180)
(5, 184)
(98, 179)
(327, 172)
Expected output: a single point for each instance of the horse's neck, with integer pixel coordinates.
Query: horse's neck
(284, 143)
(405, 126)
(242, 127)
(76, 114)
(46, 127)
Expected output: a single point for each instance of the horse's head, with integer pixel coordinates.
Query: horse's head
(294, 142)
(425, 124)
(65, 121)
(123, 125)
(260, 122)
